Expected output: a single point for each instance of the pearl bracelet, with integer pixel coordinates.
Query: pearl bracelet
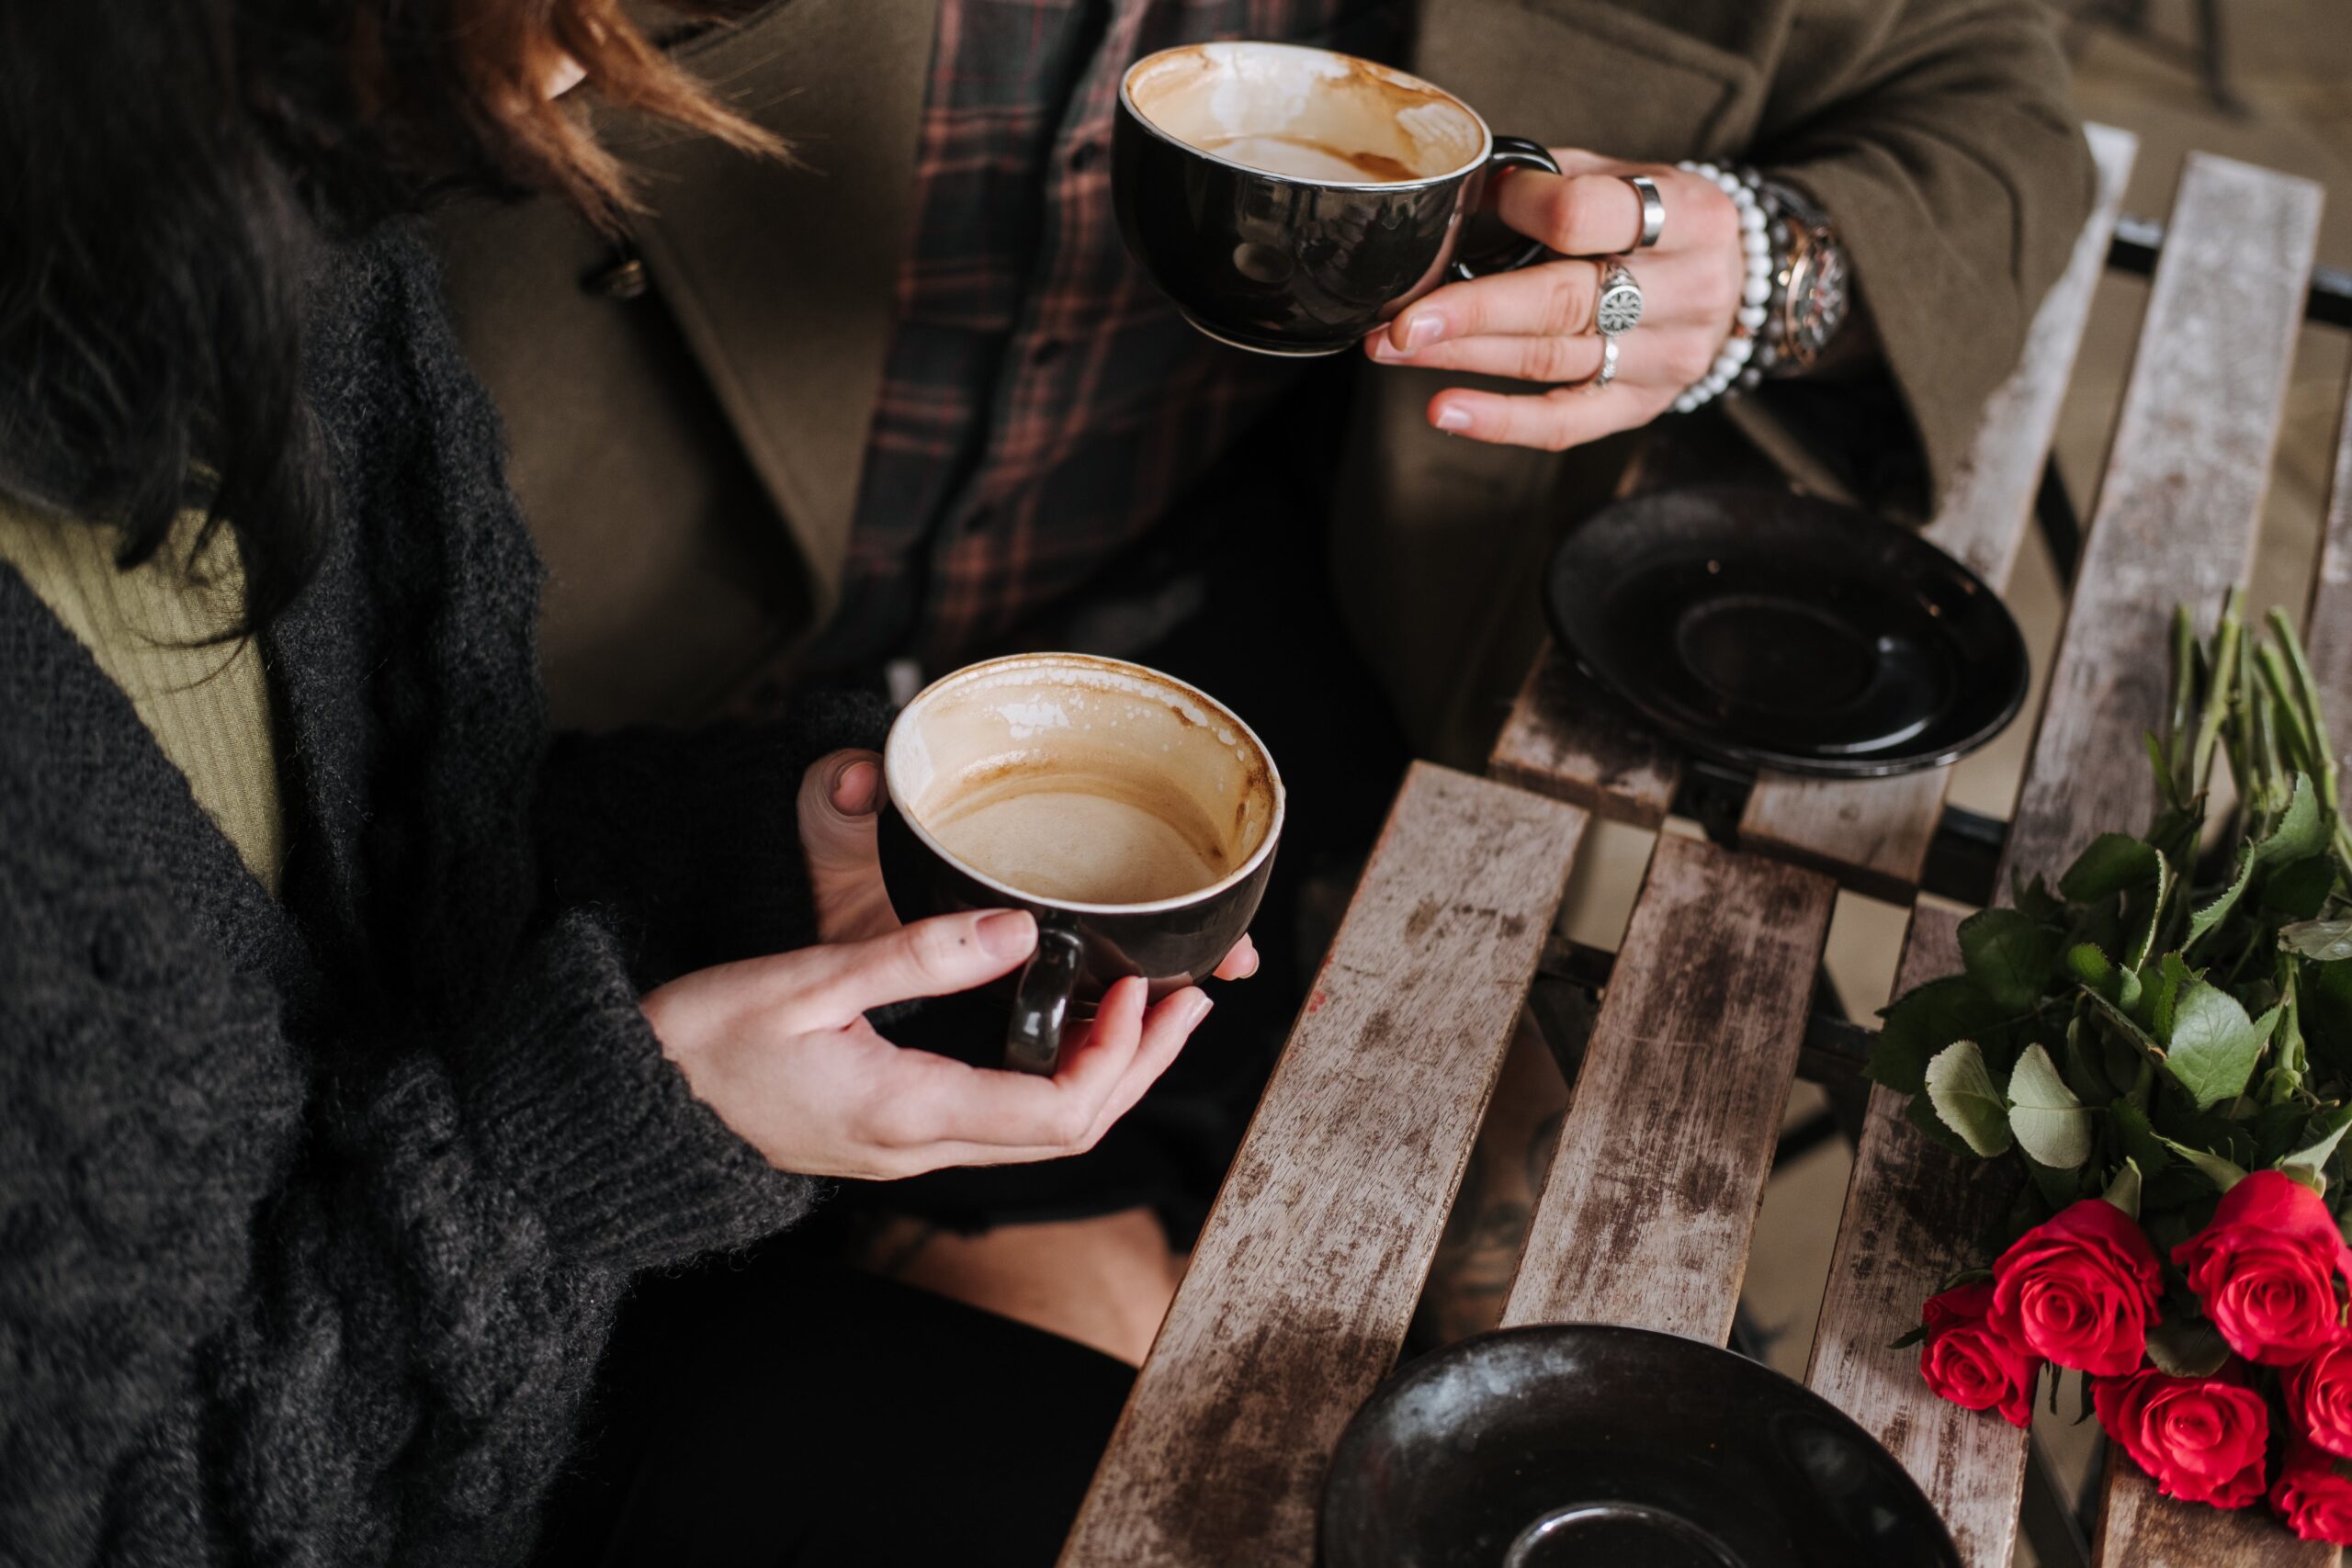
(1731, 367)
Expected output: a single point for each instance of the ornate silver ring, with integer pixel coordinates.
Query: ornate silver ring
(1608, 371)
(1653, 210)
(1619, 307)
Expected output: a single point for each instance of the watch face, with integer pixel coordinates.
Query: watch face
(1820, 302)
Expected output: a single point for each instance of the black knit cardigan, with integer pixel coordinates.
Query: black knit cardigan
(313, 1215)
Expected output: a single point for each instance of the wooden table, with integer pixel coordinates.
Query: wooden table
(1299, 1294)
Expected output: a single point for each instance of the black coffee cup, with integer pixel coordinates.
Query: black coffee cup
(1133, 815)
(1292, 200)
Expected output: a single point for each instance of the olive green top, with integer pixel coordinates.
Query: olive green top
(207, 703)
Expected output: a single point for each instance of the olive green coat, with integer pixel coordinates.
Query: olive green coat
(690, 453)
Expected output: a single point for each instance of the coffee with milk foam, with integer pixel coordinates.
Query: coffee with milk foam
(1074, 783)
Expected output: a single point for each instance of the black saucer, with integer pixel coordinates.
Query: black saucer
(1599, 1446)
(1775, 630)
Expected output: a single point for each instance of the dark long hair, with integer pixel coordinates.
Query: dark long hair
(169, 170)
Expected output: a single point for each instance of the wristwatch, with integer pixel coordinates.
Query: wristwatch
(1811, 284)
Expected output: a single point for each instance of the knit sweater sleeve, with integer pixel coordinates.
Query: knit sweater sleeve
(267, 1303)
(689, 838)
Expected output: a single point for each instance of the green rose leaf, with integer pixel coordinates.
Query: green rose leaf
(2124, 1191)
(2050, 1124)
(2114, 862)
(2214, 1045)
(2187, 1347)
(2146, 945)
(2314, 1156)
(2212, 914)
(1967, 1100)
(2219, 1171)
(2172, 977)
(2300, 889)
(2009, 957)
(1921, 1115)
(2140, 1144)
(1921, 1022)
(2302, 832)
(2322, 941)
(2092, 967)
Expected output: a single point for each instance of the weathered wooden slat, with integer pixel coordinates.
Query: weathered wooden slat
(1646, 1214)
(1914, 1213)
(2327, 634)
(1303, 1283)
(1872, 834)
(2139, 1528)
(2176, 514)
(1569, 740)
(2176, 523)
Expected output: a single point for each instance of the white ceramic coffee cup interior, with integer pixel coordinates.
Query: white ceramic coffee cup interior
(1036, 714)
(1218, 98)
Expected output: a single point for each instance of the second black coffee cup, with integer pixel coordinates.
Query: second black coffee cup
(1292, 200)
(1134, 816)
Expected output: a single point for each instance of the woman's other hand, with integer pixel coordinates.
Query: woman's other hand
(1537, 324)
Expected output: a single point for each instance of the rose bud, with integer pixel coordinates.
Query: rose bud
(2200, 1437)
(2266, 1269)
(2318, 1396)
(2080, 1289)
(1970, 1362)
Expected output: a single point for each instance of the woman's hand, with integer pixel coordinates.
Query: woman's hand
(1537, 324)
(779, 1047)
(840, 795)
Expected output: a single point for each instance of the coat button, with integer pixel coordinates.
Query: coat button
(622, 280)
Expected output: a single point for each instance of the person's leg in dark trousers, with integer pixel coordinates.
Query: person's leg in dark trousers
(777, 1412)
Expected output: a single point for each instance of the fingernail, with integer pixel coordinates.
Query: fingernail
(1423, 330)
(855, 792)
(1197, 1009)
(1006, 933)
(1453, 418)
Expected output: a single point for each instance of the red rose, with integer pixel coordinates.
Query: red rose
(2080, 1289)
(2313, 1496)
(2266, 1269)
(2318, 1396)
(1970, 1362)
(2200, 1437)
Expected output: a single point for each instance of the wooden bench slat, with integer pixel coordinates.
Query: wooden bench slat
(1569, 740)
(1873, 834)
(2179, 509)
(1306, 1276)
(2136, 1525)
(2327, 631)
(1647, 1212)
(2176, 523)
(2142, 1529)
(1914, 1213)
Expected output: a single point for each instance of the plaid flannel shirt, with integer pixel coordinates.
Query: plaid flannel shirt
(1042, 406)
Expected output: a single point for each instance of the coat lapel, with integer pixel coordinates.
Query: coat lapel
(792, 321)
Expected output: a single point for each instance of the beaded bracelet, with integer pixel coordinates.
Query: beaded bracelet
(1731, 367)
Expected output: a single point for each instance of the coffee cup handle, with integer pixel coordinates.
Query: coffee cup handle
(1032, 1041)
(1511, 152)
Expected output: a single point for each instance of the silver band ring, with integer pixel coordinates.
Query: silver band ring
(1653, 210)
(1618, 307)
(1608, 371)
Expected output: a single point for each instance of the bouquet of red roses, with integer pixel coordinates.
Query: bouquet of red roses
(2163, 1045)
